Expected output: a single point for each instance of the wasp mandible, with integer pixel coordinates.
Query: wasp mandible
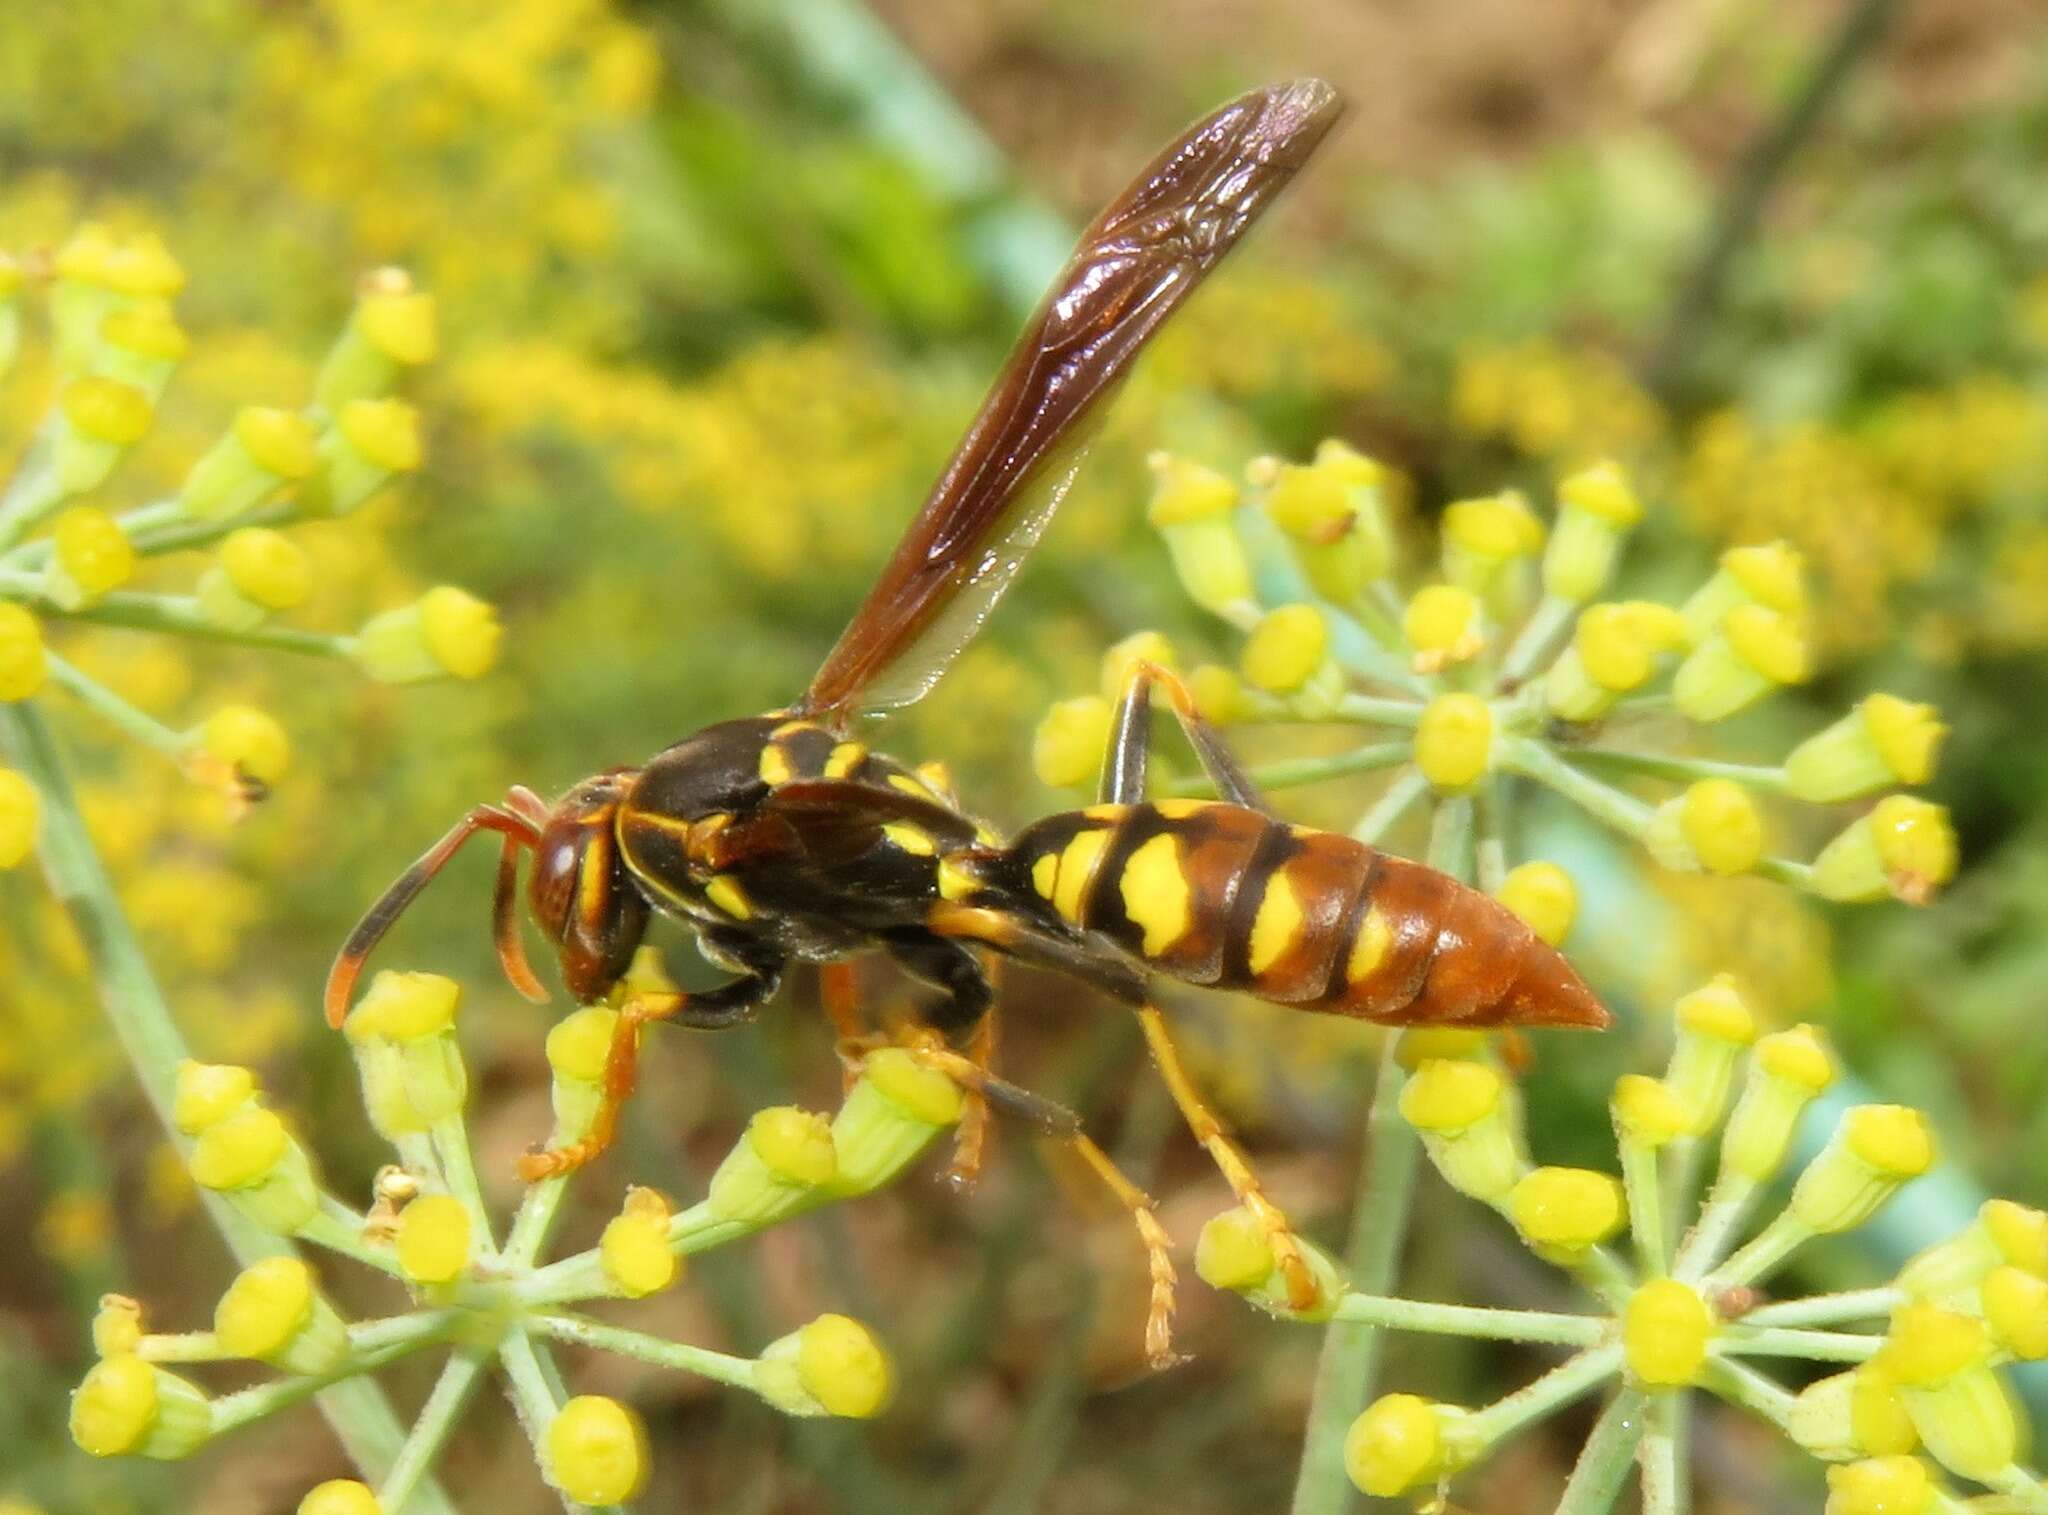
(783, 837)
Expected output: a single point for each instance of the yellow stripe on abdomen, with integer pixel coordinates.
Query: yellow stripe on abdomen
(1156, 894)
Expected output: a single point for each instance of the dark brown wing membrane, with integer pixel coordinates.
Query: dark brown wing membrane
(1133, 268)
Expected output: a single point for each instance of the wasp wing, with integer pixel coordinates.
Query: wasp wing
(826, 822)
(1140, 259)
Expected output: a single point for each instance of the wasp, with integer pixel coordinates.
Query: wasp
(785, 837)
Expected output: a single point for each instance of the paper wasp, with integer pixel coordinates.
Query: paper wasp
(782, 837)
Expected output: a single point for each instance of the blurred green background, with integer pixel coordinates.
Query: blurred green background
(719, 284)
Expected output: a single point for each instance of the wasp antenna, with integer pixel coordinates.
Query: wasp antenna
(505, 921)
(348, 963)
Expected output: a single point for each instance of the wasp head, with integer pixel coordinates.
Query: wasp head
(581, 895)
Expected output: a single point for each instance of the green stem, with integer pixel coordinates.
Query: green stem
(384, 1342)
(362, 1418)
(1538, 635)
(458, 1166)
(1827, 1309)
(638, 1345)
(1292, 774)
(1665, 765)
(1407, 788)
(340, 1229)
(178, 615)
(530, 1382)
(430, 1431)
(1664, 1483)
(2024, 1489)
(1763, 1252)
(1604, 1461)
(1740, 1340)
(1560, 1386)
(115, 711)
(1706, 1244)
(32, 494)
(1374, 710)
(1639, 1177)
(1742, 1385)
(1396, 1314)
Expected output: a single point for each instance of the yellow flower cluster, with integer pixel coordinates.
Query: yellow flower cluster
(1553, 402)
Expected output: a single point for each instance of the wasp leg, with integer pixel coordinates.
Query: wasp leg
(968, 1007)
(970, 1141)
(839, 992)
(1130, 741)
(1062, 1124)
(711, 1010)
(1237, 1170)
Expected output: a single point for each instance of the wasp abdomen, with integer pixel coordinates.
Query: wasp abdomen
(1225, 897)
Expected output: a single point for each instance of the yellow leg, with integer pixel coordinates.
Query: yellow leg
(1237, 1171)
(621, 1073)
(1064, 1125)
(970, 1142)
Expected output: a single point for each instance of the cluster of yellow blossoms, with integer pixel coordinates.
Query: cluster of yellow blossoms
(1508, 664)
(483, 1297)
(1686, 1310)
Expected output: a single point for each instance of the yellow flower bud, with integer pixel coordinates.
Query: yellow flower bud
(1567, 1210)
(140, 345)
(446, 631)
(1646, 1111)
(1234, 1252)
(369, 443)
(273, 1312)
(246, 740)
(267, 567)
(577, 1047)
(1884, 741)
(1849, 1415)
(1416, 1045)
(1310, 504)
(106, 410)
(892, 1113)
(391, 328)
(595, 1451)
(1665, 1332)
(1904, 847)
(2020, 1233)
(116, 1326)
(1219, 694)
(1714, 825)
(2016, 1309)
(1772, 575)
(1597, 506)
(130, 1408)
(240, 1149)
(1544, 895)
(1462, 1109)
(433, 1239)
(1788, 1069)
(1444, 625)
(404, 1007)
(1286, 649)
(1185, 492)
(1874, 1151)
(1068, 747)
(208, 1093)
(1941, 1362)
(22, 664)
(1754, 651)
(844, 1367)
(1482, 536)
(1121, 658)
(1714, 1025)
(90, 555)
(142, 267)
(1454, 741)
(400, 324)
(340, 1496)
(1403, 1442)
(262, 451)
(20, 814)
(634, 1248)
(403, 1036)
(786, 1157)
(1881, 1486)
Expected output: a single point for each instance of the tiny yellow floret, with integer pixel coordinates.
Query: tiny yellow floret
(2016, 1309)
(1894, 1139)
(247, 740)
(116, 1326)
(92, 549)
(386, 432)
(21, 811)
(461, 631)
(404, 1007)
(340, 1496)
(795, 1144)
(1907, 736)
(579, 1043)
(433, 1239)
(2020, 1232)
(1124, 656)
(1915, 843)
(1394, 1446)
(844, 1367)
(1601, 489)
(1286, 648)
(264, 1307)
(1066, 751)
(267, 567)
(1567, 1208)
(399, 324)
(924, 1094)
(1723, 826)
(1219, 694)
(280, 442)
(1234, 1251)
(1454, 741)
(595, 1451)
(1443, 625)
(1880, 1486)
(23, 666)
(1647, 1111)
(1185, 491)
(1798, 1056)
(107, 410)
(634, 1248)
(207, 1093)
(240, 1149)
(1717, 1009)
(1543, 895)
(1450, 1094)
(1666, 1329)
(115, 1407)
(1494, 528)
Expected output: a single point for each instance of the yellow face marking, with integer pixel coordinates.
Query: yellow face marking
(909, 785)
(1375, 936)
(1276, 925)
(775, 767)
(911, 839)
(956, 883)
(1156, 893)
(791, 728)
(846, 757)
(591, 882)
(1077, 867)
(1180, 810)
(1043, 872)
(937, 777)
(728, 896)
